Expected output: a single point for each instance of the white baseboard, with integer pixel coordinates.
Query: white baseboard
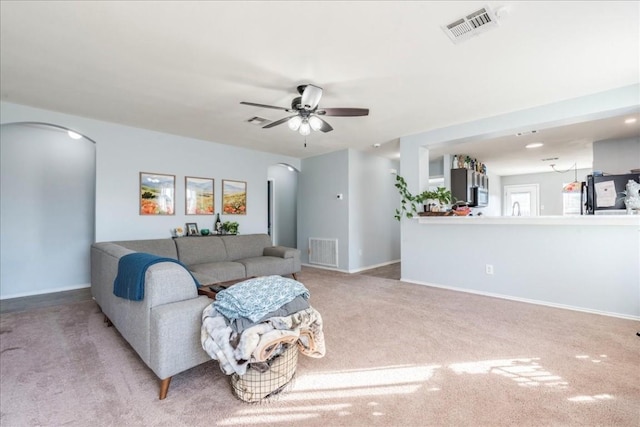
(526, 300)
(46, 291)
(321, 267)
(357, 270)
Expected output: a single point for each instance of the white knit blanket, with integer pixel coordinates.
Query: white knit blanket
(235, 351)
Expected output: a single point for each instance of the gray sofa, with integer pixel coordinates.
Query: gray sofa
(164, 327)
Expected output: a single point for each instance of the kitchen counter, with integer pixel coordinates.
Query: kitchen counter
(632, 220)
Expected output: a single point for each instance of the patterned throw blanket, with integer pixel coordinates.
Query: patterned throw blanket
(129, 282)
(254, 298)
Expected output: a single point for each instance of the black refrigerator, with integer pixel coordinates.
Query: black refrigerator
(605, 194)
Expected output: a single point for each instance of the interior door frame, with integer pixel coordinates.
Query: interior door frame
(533, 189)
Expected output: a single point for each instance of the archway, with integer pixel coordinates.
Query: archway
(47, 209)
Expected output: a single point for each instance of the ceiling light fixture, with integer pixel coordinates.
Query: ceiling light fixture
(294, 123)
(572, 187)
(315, 123)
(630, 120)
(305, 127)
(534, 145)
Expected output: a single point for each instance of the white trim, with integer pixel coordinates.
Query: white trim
(358, 270)
(526, 300)
(47, 291)
(324, 268)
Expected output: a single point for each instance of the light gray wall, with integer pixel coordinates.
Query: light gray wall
(320, 213)
(550, 185)
(579, 280)
(374, 233)
(616, 156)
(122, 152)
(587, 267)
(285, 212)
(46, 209)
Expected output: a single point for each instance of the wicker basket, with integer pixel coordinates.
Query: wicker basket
(255, 386)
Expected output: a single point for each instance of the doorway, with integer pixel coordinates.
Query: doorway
(282, 205)
(521, 200)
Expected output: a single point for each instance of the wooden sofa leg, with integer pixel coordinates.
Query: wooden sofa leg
(294, 276)
(164, 387)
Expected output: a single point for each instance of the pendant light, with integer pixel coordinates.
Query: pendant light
(572, 187)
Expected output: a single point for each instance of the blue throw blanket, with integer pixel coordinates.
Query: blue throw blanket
(129, 282)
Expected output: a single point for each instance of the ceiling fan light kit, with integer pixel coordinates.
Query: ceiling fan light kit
(306, 111)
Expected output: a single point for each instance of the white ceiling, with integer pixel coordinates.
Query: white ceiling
(184, 67)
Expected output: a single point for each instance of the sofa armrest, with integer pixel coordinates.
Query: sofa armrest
(281, 252)
(174, 336)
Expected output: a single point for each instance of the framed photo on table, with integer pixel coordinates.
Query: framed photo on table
(157, 194)
(198, 194)
(192, 229)
(234, 197)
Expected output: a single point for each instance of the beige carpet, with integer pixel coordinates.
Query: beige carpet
(397, 355)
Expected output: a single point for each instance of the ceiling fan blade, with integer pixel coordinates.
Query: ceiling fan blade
(311, 96)
(326, 127)
(278, 122)
(265, 106)
(344, 112)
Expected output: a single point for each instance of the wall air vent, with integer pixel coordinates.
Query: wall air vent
(471, 25)
(323, 251)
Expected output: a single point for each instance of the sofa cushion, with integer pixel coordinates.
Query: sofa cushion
(219, 271)
(160, 247)
(246, 246)
(267, 266)
(200, 250)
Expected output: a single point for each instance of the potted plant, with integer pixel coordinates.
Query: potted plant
(408, 202)
(230, 227)
(443, 196)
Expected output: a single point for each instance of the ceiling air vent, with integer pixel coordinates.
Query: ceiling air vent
(258, 121)
(471, 25)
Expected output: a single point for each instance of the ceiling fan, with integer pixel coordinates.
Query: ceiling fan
(307, 115)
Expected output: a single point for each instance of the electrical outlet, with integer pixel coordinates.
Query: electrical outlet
(488, 269)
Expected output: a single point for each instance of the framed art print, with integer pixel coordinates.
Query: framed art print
(234, 197)
(198, 194)
(157, 194)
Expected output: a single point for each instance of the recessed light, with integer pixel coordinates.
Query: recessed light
(376, 145)
(534, 145)
(630, 120)
(528, 132)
